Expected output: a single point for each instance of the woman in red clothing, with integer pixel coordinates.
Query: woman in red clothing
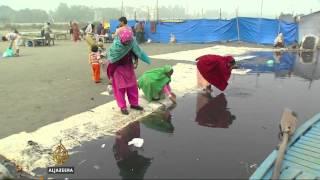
(215, 70)
(76, 32)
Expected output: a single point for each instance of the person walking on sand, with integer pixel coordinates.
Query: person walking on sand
(95, 61)
(46, 32)
(75, 32)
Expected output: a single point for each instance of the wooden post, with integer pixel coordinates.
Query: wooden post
(157, 10)
(122, 13)
(261, 8)
(279, 28)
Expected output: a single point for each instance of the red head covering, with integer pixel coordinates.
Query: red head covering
(215, 69)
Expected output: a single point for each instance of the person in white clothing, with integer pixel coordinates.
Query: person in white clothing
(13, 38)
(279, 41)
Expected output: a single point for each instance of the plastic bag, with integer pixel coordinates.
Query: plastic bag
(8, 53)
(137, 142)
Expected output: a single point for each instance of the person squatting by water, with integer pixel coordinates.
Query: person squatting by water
(120, 69)
(214, 70)
(156, 82)
(95, 61)
(13, 38)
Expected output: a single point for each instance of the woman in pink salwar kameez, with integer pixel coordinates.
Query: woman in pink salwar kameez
(124, 80)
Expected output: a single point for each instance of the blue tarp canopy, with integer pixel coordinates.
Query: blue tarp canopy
(252, 30)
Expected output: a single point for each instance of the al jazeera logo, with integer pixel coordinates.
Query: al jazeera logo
(60, 156)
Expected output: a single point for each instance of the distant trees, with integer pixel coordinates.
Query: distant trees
(30, 16)
(8, 15)
(65, 13)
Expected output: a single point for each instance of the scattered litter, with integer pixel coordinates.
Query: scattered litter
(249, 167)
(137, 142)
(103, 145)
(8, 53)
(96, 167)
(109, 89)
(253, 166)
(83, 161)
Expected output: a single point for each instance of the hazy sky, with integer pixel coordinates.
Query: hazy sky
(270, 7)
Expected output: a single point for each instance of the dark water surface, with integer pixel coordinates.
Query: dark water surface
(218, 136)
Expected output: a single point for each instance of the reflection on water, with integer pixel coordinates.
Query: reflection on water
(212, 111)
(307, 57)
(285, 64)
(308, 66)
(129, 161)
(160, 121)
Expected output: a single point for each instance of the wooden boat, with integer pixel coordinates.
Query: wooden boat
(302, 157)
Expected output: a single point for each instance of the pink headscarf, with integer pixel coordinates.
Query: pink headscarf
(125, 35)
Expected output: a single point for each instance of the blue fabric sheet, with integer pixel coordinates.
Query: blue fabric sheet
(252, 30)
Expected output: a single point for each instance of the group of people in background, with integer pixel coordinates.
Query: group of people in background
(77, 33)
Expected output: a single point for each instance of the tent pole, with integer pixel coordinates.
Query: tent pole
(279, 28)
(238, 29)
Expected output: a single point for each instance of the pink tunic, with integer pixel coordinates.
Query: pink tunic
(123, 72)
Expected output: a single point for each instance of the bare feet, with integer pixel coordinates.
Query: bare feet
(173, 98)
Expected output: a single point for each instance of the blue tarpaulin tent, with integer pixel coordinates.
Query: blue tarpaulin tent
(252, 30)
